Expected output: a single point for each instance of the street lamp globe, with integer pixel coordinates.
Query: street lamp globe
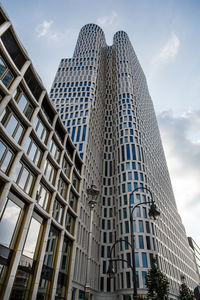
(111, 272)
(93, 193)
(153, 211)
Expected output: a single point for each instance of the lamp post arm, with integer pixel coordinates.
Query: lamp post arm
(144, 188)
(121, 259)
(117, 241)
(137, 205)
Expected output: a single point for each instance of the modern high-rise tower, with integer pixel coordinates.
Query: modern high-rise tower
(102, 97)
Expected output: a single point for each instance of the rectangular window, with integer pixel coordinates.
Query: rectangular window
(54, 150)
(33, 151)
(126, 226)
(78, 134)
(70, 223)
(10, 222)
(62, 187)
(32, 237)
(73, 133)
(51, 247)
(75, 182)
(64, 269)
(84, 133)
(23, 103)
(5, 74)
(137, 264)
(128, 280)
(144, 279)
(43, 197)
(58, 210)
(133, 152)
(144, 260)
(141, 242)
(124, 213)
(25, 178)
(147, 227)
(141, 227)
(40, 128)
(12, 124)
(73, 201)
(49, 171)
(128, 152)
(148, 242)
(66, 167)
(66, 253)
(6, 157)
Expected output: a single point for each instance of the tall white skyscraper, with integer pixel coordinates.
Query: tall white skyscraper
(102, 97)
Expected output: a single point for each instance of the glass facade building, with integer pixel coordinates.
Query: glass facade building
(40, 175)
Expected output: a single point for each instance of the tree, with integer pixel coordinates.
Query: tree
(184, 292)
(157, 283)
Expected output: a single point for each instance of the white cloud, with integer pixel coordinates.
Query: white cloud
(180, 136)
(168, 52)
(43, 29)
(107, 20)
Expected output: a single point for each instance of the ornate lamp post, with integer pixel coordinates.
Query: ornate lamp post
(92, 193)
(153, 214)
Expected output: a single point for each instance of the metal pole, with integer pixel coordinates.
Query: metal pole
(131, 210)
(88, 274)
(134, 277)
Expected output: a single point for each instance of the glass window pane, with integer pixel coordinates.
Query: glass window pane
(31, 239)
(2, 150)
(11, 125)
(29, 184)
(137, 264)
(6, 161)
(8, 222)
(2, 67)
(28, 111)
(7, 79)
(51, 247)
(22, 102)
(32, 151)
(18, 133)
(43, 197)
(144, 260)
(23, 178)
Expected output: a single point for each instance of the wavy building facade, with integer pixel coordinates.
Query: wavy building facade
(40, 174)
(102, 97)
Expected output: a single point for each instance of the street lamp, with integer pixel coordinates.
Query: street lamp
(153, 214)
(92, 193)
(111, 272)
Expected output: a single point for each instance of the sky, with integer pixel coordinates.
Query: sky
(166, 39)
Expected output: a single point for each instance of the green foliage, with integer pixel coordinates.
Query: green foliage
(157, 283)
(185, 293)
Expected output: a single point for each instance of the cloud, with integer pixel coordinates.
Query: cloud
(180, 136)
(168, 52)
(107, 20)
(43, 29)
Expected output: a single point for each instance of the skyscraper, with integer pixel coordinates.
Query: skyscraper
(102, 97)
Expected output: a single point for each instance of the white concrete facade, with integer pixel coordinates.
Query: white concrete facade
(102, 97)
